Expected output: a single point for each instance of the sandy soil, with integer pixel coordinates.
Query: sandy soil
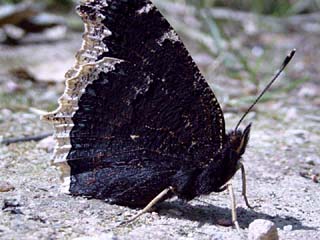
(281, 161)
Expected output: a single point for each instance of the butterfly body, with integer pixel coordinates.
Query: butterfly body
(137, 115)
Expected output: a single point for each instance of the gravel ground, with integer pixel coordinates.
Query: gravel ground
(282, 163)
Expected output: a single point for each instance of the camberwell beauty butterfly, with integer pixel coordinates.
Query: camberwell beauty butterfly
(137, 122)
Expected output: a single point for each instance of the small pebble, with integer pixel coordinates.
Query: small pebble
(315, 178)
(190, 235)
(11, 202)
(312, 160)
(12, 205)
(287, 228)
(5, 113)
(6, 187)
(225, 222)
(292, 114)
(261, 229)
(47, 144)
(12, 87)
(308, 91)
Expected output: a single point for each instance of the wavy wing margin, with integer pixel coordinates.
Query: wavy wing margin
(84, 72)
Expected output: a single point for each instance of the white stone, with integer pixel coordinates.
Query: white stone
(47, 144)
(288, 228)
(261, 229)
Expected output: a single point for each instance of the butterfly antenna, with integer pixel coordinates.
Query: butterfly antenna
(283, 66)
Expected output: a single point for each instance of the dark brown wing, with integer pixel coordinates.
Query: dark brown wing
(148, 117)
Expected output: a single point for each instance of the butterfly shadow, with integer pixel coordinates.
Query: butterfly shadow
(213, 215)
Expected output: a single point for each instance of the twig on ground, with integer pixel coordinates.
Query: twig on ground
(25, 139)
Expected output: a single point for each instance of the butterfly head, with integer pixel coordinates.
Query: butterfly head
(235, 148)
(238, 140)
(227, 162)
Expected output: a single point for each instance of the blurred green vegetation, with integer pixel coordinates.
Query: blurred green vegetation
(50, 4)
(235, 60)
(271, 7)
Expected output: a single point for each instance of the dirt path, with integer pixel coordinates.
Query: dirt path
(284, 146)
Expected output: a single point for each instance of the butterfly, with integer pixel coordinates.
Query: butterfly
(138, 123)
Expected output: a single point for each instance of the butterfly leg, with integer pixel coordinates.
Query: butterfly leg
(244, 186)
(150, 205)
(233, 207)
